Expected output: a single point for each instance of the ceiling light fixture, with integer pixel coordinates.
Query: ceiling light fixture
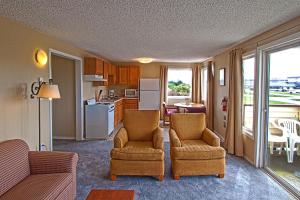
(145, 60)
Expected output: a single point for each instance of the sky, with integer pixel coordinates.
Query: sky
(283, 64)
(185, 75)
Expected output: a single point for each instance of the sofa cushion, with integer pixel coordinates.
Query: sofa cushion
(188, 126)
(137, 151)
(197, 150)
(140, 124)
(14, 164)
(41, 186)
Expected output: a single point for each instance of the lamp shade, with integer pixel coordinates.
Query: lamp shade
(49, 91)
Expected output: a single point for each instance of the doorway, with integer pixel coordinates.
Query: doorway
(71, 96)
(281, 129)
(64, 109)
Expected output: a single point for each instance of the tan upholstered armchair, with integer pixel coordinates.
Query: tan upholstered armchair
(139, 146)
(195, 150)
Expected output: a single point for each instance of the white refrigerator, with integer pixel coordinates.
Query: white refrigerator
(149, 94)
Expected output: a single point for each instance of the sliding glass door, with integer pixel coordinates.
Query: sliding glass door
(282, 114)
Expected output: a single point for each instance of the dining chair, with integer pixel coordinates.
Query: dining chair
(294, 139)
(201, 109)
(282, 139)
(168, 111)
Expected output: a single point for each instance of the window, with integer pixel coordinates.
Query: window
(248, 68)
(179, 83)
(204, 84)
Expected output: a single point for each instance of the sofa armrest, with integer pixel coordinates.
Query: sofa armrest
(121, 138)
(46, 162)
(158, 139)
(174, 140)
(210, 138)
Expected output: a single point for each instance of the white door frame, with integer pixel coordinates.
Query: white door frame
(78, 92)
(262, 89)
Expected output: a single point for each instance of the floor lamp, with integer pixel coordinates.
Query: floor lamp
(45, 90)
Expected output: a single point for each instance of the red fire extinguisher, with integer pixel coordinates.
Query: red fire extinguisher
(224, 104)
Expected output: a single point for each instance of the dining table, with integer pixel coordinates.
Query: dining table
(188, 105)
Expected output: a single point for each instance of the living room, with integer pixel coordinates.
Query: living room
(218, 81)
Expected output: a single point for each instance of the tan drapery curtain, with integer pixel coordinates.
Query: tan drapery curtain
(210, 96)
(196, 87)
(163, 87)
(233, 137)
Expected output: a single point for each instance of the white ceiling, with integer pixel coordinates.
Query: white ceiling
(167, 30)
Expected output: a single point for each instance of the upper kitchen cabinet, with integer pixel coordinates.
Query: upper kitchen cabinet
(93, 66)
(134, 76)
(123, 75)
(112, 75)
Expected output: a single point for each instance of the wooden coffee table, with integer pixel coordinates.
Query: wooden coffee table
(111, 195)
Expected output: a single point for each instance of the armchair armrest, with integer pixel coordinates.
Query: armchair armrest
(174, 140)
(210, 138)
(46, 162)
(121, 138)
(158, 139)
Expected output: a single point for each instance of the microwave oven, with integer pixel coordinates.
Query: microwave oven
(131, 93)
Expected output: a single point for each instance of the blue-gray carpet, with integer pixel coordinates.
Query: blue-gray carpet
(242, 181)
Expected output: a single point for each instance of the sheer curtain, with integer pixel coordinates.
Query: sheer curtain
(163, 87)
(196, 87)
(233, 137)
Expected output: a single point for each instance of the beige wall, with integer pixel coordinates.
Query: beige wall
(18, 115)
(222, 61)
(64, 109)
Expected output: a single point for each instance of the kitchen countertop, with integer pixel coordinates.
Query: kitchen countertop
(116, 99)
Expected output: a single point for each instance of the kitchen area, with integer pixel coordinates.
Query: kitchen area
(121, 88)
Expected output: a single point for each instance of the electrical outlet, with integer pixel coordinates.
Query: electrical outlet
(224, 117)
(224, 124)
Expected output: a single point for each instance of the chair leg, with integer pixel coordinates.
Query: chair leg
(221, 175)
(292, 148)
(298, 149)
(113, 177)
(280, 150)
(160, 177)
(271, 147)
(175, 177)
(164, 120)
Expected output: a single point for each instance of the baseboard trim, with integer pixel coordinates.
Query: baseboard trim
(63, 138)
(249, 160)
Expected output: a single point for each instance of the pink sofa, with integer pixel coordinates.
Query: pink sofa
(35, 175)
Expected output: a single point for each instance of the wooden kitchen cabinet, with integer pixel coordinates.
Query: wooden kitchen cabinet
(130, 104)
(123, 72)
(134, 77)
(112, 75)
(93, 66)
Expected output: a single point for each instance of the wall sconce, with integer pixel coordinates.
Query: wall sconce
(45, 90)
(40, 57)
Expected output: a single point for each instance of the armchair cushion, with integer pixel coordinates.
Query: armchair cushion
(45, 162)
(197, 150)
(121, 138)
(175, 142)
(41, 186)
(210, 138)
(158, 139)
(140, 124)
(137, 154)
(188, 126)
